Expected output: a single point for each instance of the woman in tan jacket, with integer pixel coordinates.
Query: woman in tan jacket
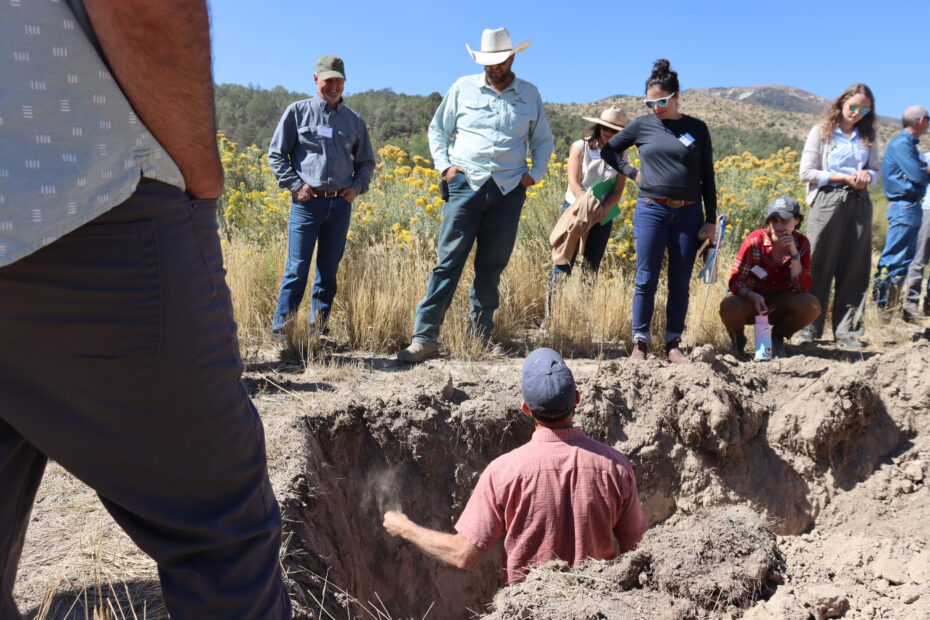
(839, 162)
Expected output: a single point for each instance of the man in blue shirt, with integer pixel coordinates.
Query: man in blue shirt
(480, 137)
(905, 177)
(321, 152)
(915, 273)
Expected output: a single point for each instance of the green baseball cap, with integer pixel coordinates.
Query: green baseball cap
(330, 66)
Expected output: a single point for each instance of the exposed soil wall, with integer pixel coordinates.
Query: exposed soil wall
(782, 439)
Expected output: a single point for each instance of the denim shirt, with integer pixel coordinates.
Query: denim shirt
(326, 147)
(487, 133)
(903, 172)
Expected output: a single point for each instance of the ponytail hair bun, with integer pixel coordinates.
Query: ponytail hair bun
(663, 77)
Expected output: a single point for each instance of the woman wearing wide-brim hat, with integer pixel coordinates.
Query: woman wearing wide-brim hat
(586, 169)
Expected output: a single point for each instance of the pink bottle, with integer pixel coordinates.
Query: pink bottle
(763, 337)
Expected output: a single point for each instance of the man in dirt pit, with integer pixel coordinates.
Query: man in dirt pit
(561, 496)
(118, 350)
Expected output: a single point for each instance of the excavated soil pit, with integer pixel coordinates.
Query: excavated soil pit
(729, 456)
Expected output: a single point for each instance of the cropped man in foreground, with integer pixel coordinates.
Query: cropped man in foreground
(560, 496)
(118, 350)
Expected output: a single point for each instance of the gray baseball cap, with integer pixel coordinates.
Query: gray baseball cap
(330, 66)
(784, 207)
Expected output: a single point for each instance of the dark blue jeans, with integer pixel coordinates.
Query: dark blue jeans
(486, 218)
(320, 222)
(658, 229)
(900, 244)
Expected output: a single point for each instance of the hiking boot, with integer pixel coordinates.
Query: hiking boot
(803, 337)
(673, 352)
(639, 351)
(278, 335)
(418, 352)
(738, 343)
(778, 346)
(849, 342)
(912, 313)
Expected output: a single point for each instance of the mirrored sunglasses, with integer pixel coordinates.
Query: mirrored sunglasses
(858, 108)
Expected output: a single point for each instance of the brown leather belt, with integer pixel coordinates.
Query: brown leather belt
(321, 193)
(671, 202)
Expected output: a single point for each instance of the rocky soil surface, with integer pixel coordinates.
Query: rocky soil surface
(791, 489)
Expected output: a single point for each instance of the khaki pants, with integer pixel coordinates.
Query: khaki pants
(788, 312)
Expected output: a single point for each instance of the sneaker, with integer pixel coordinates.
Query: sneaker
(639, 351)
(911, 313)
(778, 346)
(849, 342)
(278, 335)
(418, 352)
(803, 337)
(673, 352)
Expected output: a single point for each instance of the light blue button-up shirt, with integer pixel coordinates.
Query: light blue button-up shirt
(847, 156)
(488, 133)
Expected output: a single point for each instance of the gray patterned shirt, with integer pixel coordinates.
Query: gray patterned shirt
(71, 147)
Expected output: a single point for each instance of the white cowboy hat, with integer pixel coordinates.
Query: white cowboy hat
(612, 117)
(496, 47)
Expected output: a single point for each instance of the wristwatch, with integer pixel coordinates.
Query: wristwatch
(796, 256)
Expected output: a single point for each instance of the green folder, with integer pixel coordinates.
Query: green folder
(601, 191)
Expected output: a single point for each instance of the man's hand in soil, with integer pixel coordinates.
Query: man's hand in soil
(453, 549)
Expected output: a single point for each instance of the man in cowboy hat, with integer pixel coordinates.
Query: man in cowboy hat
(321, 152)
(494, 117)
(561, 495)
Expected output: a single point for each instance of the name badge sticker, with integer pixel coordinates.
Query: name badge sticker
(594, 154)
(759, 272)
(324, 131)
(687, 139)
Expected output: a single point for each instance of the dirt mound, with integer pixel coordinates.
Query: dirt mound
(786, 440)
(722, 560)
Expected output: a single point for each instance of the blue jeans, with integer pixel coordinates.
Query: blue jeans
(658, 228)
(320, 219)
(900, 244)
(489, 218)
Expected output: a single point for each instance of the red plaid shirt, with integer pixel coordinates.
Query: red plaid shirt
(755, 269)
(562, 495)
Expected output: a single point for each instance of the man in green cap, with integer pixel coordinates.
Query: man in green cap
(321, 152)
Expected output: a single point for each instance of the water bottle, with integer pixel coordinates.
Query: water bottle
(763, 337)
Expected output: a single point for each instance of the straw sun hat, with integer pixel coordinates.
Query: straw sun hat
(496, 47)
(612, 117)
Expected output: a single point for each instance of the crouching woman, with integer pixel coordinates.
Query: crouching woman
(771, 275)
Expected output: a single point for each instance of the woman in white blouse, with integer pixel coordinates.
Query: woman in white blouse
(839, 162)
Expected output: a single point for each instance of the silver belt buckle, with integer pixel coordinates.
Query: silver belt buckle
(675, 204)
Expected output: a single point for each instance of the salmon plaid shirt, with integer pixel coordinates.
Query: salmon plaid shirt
(562, 495)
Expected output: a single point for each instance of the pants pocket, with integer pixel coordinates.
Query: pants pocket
(91, 302)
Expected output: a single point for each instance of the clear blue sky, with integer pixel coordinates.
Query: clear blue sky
(584, 51)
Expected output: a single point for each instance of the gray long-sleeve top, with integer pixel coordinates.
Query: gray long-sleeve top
(326, 147)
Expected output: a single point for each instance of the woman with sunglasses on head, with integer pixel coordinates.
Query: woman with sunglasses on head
(839, 162)
(587, 169)
(677, 175)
